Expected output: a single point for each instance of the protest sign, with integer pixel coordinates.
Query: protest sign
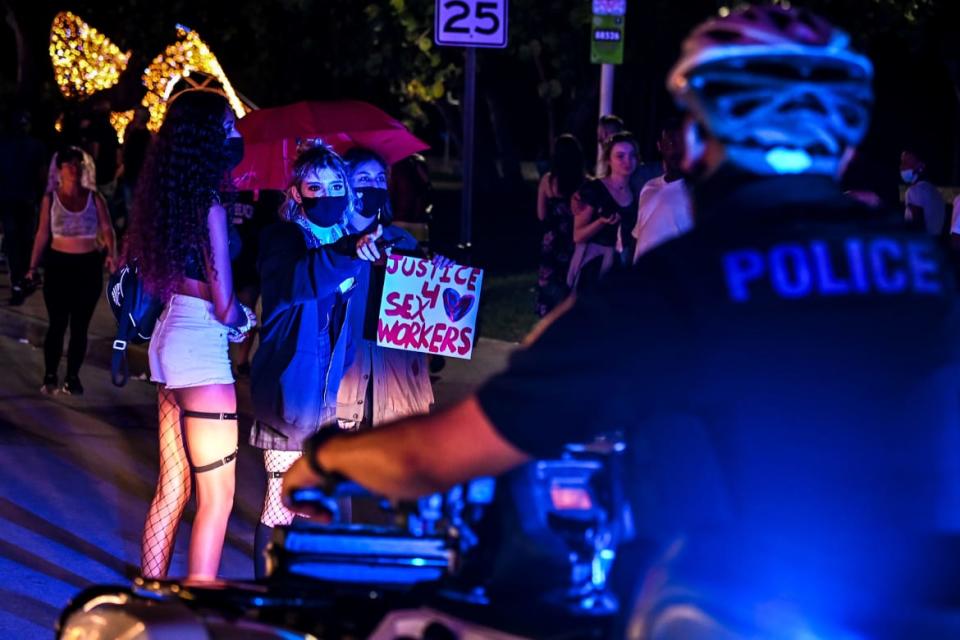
(428, 308)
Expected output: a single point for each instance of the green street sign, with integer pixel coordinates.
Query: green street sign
(606, 39)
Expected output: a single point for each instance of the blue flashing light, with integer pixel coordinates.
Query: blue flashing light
(418, 562)
(786, 161)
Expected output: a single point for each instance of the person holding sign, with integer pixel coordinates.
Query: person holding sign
(382, 384)
(306, 285)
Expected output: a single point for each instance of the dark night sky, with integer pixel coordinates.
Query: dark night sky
(284, 50)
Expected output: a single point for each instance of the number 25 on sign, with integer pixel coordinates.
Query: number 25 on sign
(471, 23)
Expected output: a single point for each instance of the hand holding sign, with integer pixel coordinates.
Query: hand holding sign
(429, 307)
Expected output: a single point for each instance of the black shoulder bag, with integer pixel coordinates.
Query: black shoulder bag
(136, 312)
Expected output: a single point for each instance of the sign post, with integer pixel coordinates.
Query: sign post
(606, 34)
(469, 128)
(469, 24)
(606, 47)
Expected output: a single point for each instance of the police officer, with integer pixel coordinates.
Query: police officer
(785, 373)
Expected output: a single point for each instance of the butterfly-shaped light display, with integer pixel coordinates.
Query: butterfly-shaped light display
(84, 60)
(188, 54)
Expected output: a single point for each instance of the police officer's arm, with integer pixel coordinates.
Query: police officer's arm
(415, 456)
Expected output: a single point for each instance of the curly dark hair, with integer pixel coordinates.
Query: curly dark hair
(182, 175)
(566, 165)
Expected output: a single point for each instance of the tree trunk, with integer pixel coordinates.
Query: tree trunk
(22, 56)
(547, 104)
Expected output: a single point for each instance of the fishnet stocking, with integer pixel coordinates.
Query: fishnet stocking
(173, 492)
(274, 513)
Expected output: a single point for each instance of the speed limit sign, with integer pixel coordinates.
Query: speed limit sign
(471, 23)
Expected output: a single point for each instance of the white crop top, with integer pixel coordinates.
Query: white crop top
(73, 224)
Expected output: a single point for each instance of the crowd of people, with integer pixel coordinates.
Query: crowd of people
(310, 258)
(591, 224)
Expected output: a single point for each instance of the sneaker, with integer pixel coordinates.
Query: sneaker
(50, 384)
(72, 387)
(17, 297)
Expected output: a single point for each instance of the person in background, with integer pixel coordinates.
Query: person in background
(136, 139)
(954, 235)
(411, 201)
(871, 181)
(99, 139)
(72, 215)
(664, 210)
(252, 213)
(924, 204)
(645, 171)
(182, 241)
(601, 207)
(22, 164)
(557, 186)
(306, 283)
(608, 126)
(382, 384)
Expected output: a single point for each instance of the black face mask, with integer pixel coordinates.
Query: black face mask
(324, 212)
(233, 148)
(374, 199)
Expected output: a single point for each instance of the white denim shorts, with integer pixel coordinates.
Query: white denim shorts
(189, 346)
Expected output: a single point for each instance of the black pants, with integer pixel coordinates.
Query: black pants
(72, 285)
(17, 218)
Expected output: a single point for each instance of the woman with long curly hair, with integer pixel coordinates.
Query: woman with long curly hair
(557, 186)
(182, 241)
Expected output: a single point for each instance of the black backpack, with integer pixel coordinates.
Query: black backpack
(136, 312)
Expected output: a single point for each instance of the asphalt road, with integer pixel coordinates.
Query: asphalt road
(77, 473)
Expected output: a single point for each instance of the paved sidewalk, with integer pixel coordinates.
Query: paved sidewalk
(77, 473)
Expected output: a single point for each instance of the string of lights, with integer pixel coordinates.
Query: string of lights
(85, 61)
(120, 120)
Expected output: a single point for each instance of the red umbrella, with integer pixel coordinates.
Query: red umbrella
(270, 137)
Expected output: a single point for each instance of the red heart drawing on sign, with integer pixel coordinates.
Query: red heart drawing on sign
(456, 305)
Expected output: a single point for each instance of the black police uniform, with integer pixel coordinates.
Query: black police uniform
(786, 377)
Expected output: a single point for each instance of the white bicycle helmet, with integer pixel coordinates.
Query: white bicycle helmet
(780, 87)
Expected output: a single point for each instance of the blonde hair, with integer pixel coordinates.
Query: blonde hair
(318, 156)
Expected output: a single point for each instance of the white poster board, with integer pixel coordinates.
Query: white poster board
(429, 309)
